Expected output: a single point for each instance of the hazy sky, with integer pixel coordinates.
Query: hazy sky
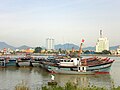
(30, 22)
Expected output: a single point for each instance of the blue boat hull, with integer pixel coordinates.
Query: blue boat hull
(11, 63)
(101, 68)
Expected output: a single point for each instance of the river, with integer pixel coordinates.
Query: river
(36, 77)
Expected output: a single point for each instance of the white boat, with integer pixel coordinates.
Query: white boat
(87, 65)
(68, 62)
(81, 70)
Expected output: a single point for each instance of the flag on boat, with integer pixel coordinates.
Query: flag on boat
(83, 40)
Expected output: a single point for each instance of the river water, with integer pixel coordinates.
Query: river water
(35, 77)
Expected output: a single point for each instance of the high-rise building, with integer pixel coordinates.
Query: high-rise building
(49, 43)
(102, 43)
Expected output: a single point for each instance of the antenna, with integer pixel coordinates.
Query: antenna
(100, 33)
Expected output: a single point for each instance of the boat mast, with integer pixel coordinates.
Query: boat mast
(80, 49)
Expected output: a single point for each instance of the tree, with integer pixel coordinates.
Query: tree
(60, 50)
(38, 50)
(106, 52)
(87, 52)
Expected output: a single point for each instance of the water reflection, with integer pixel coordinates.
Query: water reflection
(10, 77)
(35, 77)
(85, 80)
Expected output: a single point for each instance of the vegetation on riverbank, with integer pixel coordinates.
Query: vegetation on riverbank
(22, 86)
(67, 86)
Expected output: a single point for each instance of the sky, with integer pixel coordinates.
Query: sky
(31, 22)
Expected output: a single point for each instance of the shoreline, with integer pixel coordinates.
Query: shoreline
(103, 55)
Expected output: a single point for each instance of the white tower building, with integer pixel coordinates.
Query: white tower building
(49, 43)
(102, 43)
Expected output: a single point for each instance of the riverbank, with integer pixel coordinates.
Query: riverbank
(67, 86)
(21, 55)
(100, 55)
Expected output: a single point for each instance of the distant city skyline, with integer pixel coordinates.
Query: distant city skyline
(30, 22)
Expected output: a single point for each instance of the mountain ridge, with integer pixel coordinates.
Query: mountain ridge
(67, 46)
(5, 45)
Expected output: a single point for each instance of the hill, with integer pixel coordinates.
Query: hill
(89, 48)
(114, 47)
(5, 45)
(24, 47)
(67, 46)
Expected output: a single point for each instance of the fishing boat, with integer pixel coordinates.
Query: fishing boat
(10, 62)
(2, 62)
(94, 64)
(100, 65)
(45, 62)
(70, 68)
(35, 61)
(23, 62)
(89, 65)
(81, 70)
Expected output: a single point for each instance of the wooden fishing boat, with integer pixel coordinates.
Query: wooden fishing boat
(80, 70)
(11, 62)
(23, 62)
(93, 64)
(70, 66)
(2, 62)
(35, 62)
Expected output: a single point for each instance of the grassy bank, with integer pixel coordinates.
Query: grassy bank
(67, 86)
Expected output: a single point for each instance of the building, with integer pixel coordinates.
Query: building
(49, 43)
(102, 43)
(118, 50)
